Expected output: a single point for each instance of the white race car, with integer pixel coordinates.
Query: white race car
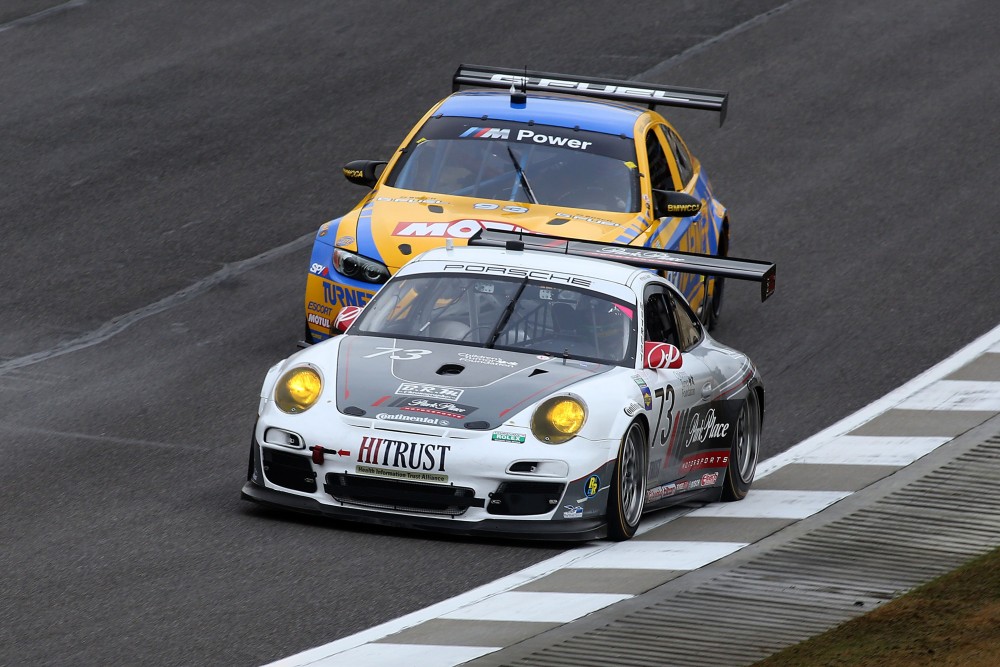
(501, 389)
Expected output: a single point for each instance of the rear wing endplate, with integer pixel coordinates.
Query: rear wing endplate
(646, 258)
(650, 94)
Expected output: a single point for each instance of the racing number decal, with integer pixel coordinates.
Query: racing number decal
(664, 395)
(398, 353)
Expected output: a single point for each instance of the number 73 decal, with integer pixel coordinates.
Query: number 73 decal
(398, 353)
(659, 436)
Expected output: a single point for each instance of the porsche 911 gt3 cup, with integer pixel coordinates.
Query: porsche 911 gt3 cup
(578, 157)
(511, 391)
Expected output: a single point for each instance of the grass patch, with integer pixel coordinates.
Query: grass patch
(953, 620)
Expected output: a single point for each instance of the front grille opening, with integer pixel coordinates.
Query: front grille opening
(524, 498)
(390, 494)
(289, 470)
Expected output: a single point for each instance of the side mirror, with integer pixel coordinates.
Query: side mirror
(346, 317)
(679, 204)
(364, 172)
(660, 355)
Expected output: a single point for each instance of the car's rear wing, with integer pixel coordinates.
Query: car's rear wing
(646, 258)
(650, 94)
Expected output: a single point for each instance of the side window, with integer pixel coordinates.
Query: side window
(659, 173)
(688, 329)
(684, 163)
(659, 323)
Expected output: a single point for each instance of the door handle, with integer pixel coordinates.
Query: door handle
(706, 391)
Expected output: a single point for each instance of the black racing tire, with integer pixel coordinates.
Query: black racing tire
(627, 498)
(744, 452)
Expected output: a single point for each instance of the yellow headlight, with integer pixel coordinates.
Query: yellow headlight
(297, 390)
(558, 419)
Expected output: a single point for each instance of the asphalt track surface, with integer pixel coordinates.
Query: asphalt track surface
(162, 162)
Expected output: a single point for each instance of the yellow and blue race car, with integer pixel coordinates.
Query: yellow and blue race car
(579, 157)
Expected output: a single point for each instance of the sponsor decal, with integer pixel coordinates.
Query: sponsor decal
(518, 273)
(639, 381)
(551, 139)
(405, 475)
(686, 383)
(632, 408)
(456, 229)
(338, 295)
(592, 486)
(631, 90)
(683, 208)
(402, 454)
(433, 421)
(411, 200)
(486, 133)
(501, 436)
(573, 512)
(586, 218)
(346, 317)
(344, 241)
(324, 229)
(319, 269)
(319, 320)
(319, 308)
(430, 406)
(709, 479)
(705, 429)
(647, 398)
(485, 359)
(682, 487)
(660, 355)
(714, 459)
(429, 391)
(660, 492)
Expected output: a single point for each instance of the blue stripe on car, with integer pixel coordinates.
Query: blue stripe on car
(593, 115)
(366, 242)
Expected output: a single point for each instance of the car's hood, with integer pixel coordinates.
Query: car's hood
(444, 384)
(401, 225)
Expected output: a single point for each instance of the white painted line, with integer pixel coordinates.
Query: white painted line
(765, 504)
(873, 450)
(394, 655)
(956, 395)
(536, 607)
(984, 343)
(658, 555)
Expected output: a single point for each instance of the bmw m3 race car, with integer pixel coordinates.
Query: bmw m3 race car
(579, 157)
(510, 391)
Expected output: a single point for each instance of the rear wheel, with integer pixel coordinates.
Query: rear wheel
(628, 485)
(744, 452)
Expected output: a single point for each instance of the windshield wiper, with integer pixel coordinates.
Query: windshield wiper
(505, 315)
(521, 175)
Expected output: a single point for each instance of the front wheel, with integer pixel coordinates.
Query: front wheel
(745, 450)
(628, 486)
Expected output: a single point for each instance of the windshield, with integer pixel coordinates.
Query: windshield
(534, 164)
(504, 313)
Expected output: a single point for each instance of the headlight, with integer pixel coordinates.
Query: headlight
(355, 266)
(297, 390)
(558, 419)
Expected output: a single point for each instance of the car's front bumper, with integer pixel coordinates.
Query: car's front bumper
(579, 530)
